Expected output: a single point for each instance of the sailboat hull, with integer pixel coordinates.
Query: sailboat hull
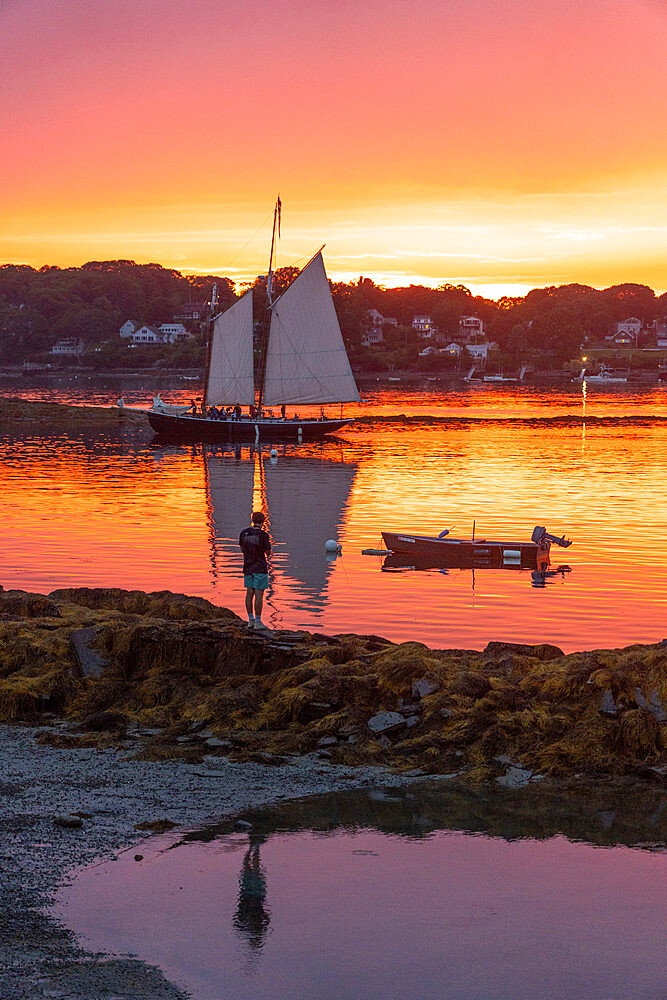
(194, 428)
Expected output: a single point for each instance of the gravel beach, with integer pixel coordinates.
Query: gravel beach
(38, 957)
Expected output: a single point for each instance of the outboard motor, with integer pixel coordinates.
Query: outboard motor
(540, 536)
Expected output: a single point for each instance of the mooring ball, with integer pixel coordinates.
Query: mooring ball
(274, 453)
(331, 546)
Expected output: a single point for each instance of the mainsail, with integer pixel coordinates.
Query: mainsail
(306, 360)
(230, 374)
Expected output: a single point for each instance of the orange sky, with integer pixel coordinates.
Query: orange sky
(502, 143)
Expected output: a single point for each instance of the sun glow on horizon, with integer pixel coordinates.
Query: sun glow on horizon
(497, 146)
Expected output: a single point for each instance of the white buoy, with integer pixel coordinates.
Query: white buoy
(332, 546)
(274, 453)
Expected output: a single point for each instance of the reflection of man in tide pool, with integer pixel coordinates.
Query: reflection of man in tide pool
(252, 917)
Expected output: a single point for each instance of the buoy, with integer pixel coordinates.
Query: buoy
(332, 546)
(274, 453)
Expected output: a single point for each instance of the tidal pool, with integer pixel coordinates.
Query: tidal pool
(430, 893)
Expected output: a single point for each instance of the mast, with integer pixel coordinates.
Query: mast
(264, 340)
(212, 304)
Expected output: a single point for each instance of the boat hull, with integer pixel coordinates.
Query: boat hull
(196, 428)
(426, 551)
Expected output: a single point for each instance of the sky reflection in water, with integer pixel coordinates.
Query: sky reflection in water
(391, 905)
(123, 511)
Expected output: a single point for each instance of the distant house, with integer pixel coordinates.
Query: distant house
(128, 328)
(192, 310)
(479, 351)
(70, 346)
(427, 352)
(372, 336)
(454, 349)
(626, 332)
(175, 331)
(470, 327)
(661, 332)
(373, 332)
(423, 325)
(149, 335)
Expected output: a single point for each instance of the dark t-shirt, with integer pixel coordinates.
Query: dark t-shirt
(256, 547)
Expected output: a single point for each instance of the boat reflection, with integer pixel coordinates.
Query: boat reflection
(397, 562)
(304, 498)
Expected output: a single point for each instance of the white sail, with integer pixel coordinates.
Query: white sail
(230, 375)
(306, 360)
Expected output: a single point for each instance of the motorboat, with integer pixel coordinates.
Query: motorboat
(443, 550)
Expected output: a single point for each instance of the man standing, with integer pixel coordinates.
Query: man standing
(256, 546)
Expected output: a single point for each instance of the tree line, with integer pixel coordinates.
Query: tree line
(39, 306)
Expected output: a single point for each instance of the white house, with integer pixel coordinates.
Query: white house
(149, 335)
(373, 332)
(372, 336)
(470, 327)
(128, 328)
(70, 346)
(175, 331)
(423, 325)
(625, 332)
(479, 351)
(453, 349)
(661, 332)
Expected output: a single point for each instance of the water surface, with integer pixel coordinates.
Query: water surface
(374, 896)
(122, 509)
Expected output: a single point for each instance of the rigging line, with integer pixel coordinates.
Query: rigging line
(238, 254)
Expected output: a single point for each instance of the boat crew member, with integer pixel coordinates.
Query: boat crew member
(282, 411)
(256, 546)
(193, 405)
(237, 412)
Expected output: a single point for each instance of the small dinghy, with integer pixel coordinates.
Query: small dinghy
(442, 550)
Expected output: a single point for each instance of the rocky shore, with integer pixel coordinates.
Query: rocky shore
(124, 712)
(192, 679)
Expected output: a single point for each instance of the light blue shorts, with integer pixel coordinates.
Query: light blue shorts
(256, 581)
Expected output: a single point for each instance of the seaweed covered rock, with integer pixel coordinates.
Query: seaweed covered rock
(171, 667)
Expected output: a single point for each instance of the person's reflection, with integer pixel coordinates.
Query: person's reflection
(252, 917)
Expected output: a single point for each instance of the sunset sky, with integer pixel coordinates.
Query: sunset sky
(500, 143)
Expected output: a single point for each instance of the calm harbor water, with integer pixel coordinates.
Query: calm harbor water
(426, 894)
(122, 509)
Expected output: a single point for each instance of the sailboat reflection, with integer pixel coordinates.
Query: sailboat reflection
(304, 499)
(539, 577)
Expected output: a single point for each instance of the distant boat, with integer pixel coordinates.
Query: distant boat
(392, 378)
(303, 362)
(500, 377)
(604, 377)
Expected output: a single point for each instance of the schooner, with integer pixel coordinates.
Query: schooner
(303, 362)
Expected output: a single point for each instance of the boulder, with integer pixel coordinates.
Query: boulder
(91, 661)
(423, 687)
(515, 777)
(607, 704)
(384, 722)
(70, 822)
(653, 705)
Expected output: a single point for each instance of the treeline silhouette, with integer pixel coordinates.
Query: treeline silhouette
(91, 302)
